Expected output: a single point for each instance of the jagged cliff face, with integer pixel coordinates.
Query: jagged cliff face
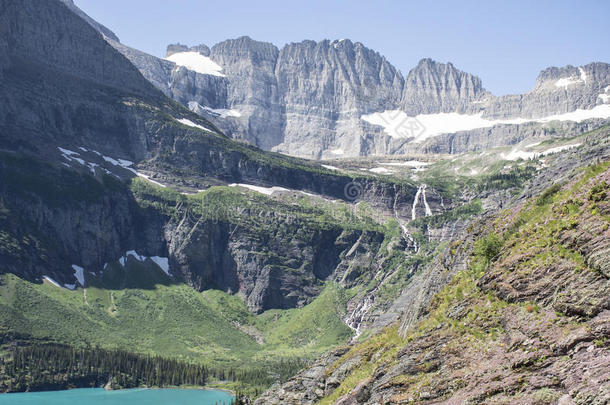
(333, 99)
(324, 89)
(305, 99)
(557, 91)
(252, 90)
(433, 87)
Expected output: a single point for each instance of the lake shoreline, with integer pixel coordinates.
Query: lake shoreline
(129, 396)
(186, 387)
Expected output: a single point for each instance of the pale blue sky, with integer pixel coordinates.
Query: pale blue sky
(506, 43)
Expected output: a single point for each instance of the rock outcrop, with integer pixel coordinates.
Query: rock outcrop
(433, 87)
(522, 323)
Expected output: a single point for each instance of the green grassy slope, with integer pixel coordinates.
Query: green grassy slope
(527, 278)
(172, 320)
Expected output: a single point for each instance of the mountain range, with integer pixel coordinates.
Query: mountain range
(457, 252)
(334, 99)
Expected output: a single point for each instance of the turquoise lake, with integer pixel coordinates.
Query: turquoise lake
(138, 396)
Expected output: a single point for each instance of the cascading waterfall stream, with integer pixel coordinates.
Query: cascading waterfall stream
(427, 207)
(421, 192)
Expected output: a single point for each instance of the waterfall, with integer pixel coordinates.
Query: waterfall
(428, 210)
(354, 321)
(421, 191)
(413, 213)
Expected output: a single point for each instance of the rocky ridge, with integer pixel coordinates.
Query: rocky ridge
(308, 99)
(552, 339)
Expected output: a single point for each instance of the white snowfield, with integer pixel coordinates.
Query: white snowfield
(50, 280)
(408, 163)
(259, 189)
(583, 75)
(517, 153)
(568, 81)
(271, 190)
(221, 112)
(605, 96)
(162, 262)
(126, 164)
(79, 273)
(196, 62)
(396, 123)
(142, 175)
(56, 284)
(123, 163)
(381, 170)
(190, 123)
(70, 156)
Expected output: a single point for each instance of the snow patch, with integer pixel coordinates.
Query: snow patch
(605, 96)
(196, 62)
(187, 122)
(126, 164)
(70, 156)
(79, 273)
(50, 280)
(381, 170)
(599, 111)
(67, 152)
(142, 175)
(409, 163)
(161, 262)
(560, 149)
(259, 189)
(221, 112)
(583, 75)
(330, 167)
(337, 152)
(567, 81)
(396, 123)
(517, 154)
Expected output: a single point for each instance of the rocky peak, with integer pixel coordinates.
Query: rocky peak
(234, 50)
(74, 49)
(433, 87)
(177, 47)
(595, 74)
(331, 84)
(344, 72)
